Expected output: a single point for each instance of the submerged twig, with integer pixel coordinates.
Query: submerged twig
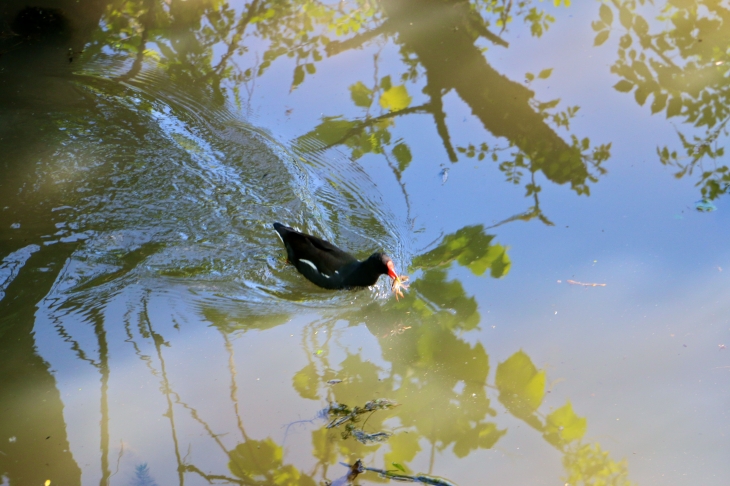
(407, 478)
(574, 282)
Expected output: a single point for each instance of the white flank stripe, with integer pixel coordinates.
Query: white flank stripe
(310, 264)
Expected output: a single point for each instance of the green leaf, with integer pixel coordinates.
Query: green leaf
(625, 41)
(640, 25)
(310, 68)
(521, 386)
(330, 131)
(623, 86)
(660, 101)
(361, 95)
(255, 458)
(641, 69)
(641, 94)
(601, 38)
(483, 436)
(385, 83)
(306, 382)
(298, 76)
(471, 248)
(626, 17)
(598, 26)
(606, 14)
(545, 73)
(529, 76)
(395, 99)
(563, 425)
(403, 155)
(675, 106)
(398, 467)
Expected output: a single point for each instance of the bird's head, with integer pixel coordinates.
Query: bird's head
(385, 264)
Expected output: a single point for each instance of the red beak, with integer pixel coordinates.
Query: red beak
(391, 271)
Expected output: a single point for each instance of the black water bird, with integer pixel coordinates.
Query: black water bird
(329, 267)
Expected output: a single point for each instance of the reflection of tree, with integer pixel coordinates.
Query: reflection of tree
(34, 441)
(180, 37)
(440, 380)
(522, 388)
(684, 69)
(252, 462)
(440, 39)
(439, 45)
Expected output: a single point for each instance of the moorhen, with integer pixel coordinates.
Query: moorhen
(327, 266)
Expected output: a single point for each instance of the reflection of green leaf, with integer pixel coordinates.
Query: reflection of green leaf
(361, 95)
(259, 462)
(306, 381)
(521, 386)
(589, 465)
(403, 155)
(483, 436)
(660, 101)
(331, 130)
(563, 425)
(623, 86)
(298, 76)
(641, 94)
(674, 107)
(601, 37)
(395, 99)
(545, 73)
(403, 447)
(606, 14)
(640, 25)
(626, 17)
(385, 83)
(471, 248)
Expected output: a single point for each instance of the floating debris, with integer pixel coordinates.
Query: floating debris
(575, 282)
(365, 438)
(395, 331)
(355, 470)
(705, 206)
(333, 382)
(444, 175)
(343, 415)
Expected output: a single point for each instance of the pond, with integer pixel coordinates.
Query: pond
(551, 177)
